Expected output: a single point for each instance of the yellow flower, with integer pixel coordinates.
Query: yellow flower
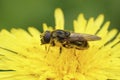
(23, 58)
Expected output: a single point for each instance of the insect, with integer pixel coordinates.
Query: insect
(52, 36)
(68, 39)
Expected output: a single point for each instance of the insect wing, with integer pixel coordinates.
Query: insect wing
(83, 37)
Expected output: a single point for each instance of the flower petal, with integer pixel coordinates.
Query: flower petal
(103, 31)
(98, 23)
(94, 26)
(80, 24)
(59, 19)
(89, 26)
(45, 27)
(35, 33)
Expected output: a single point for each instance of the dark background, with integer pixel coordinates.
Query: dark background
(25, 13)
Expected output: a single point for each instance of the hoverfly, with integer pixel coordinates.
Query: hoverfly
(68, 39)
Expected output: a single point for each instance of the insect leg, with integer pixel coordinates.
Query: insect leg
(74, 52)
(52, 43)
(60, 50)
(48, 48)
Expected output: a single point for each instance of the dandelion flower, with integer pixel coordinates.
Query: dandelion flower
(23, 58)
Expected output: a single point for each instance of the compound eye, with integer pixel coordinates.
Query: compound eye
(47, 36)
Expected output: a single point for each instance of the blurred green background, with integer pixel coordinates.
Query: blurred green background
(25, 13)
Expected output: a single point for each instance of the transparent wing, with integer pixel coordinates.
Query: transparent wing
(82, 37)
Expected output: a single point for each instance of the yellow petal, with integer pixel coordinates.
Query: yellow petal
(59, 19)
(103, 31)
(34, 32)
(98, 23)
(89, 26)
(45, 27)
(80, 24)
(94, 26)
